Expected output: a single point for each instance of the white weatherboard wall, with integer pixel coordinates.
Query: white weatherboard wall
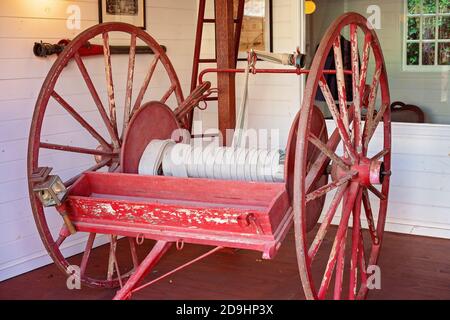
(22, 22)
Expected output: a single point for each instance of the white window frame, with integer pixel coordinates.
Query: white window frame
(268, 6)
(420, 67)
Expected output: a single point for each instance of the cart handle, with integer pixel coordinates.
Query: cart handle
(296, 59)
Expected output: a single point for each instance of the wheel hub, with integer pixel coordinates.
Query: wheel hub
(100, 158)
(370, 172)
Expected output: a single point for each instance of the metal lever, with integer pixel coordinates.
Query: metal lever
(296, 59)
(192, 101)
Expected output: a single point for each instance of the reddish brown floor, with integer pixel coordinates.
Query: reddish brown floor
(412, 268)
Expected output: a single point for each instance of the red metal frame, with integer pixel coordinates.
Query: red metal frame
(256, 71)
(234, 214)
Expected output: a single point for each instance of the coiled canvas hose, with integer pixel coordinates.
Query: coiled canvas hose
(223, 163)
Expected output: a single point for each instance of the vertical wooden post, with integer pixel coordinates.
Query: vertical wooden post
(226, 59)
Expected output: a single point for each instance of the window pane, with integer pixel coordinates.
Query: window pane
(429, 28)
(444, 54)
(444, 6)
(413, 28)
(444, 28)
(429, 6)
(413, 6)
(254, 30)
(412, 55)
(428, 54)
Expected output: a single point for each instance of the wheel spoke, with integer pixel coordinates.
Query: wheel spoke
(317, 168)
(110, 84)
(369, 217)
(343, 131)
(60, 240)
(87, 253)
(97, 100)
(374, 125)
(356, 88)
(330, 186)
(376, 192)
(129, 88)
(168, 94)
(365, 63)
(112, 263)
(353, 283)
(112, 253)
(133, 251)
(328, 152)
(58, 147)
(380, 155)
(314, 248)
(341, 81)
(80, 119)
(346, 210)
(362, 259)
(371, 104)
(362, 266)
(64, 233)
(96, 167)
(145, 84)
(340, 269)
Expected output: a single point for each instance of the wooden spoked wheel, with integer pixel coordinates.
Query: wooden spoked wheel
(358, 171)
(92, 135)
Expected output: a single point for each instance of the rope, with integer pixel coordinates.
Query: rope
(241, 123)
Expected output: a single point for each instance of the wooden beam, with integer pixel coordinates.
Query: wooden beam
(226, 59)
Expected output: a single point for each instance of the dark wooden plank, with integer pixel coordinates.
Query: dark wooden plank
(225, 60)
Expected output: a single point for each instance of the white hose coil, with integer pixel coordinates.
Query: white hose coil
(222, 163)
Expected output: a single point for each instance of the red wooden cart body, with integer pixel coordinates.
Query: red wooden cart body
(235, 214)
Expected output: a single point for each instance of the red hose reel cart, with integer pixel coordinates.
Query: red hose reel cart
(253, 210)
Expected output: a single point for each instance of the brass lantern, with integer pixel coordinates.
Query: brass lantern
(51, 192)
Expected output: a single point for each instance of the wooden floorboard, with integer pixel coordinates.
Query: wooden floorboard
(412, 268)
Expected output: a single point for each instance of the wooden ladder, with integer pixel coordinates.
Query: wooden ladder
(201, 21)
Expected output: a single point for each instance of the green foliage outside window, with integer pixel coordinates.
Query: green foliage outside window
(428, 32)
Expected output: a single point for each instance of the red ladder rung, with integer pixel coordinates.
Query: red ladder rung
(214, 20)
(211, 60)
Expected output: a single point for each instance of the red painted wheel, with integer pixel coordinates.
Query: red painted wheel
(357, 172)
(319, 129)
(92, 135)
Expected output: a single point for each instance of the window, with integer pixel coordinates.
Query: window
(427, 34)
(256, 32)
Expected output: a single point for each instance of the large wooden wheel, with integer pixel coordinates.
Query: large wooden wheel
(103, 149)
(357, 171)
